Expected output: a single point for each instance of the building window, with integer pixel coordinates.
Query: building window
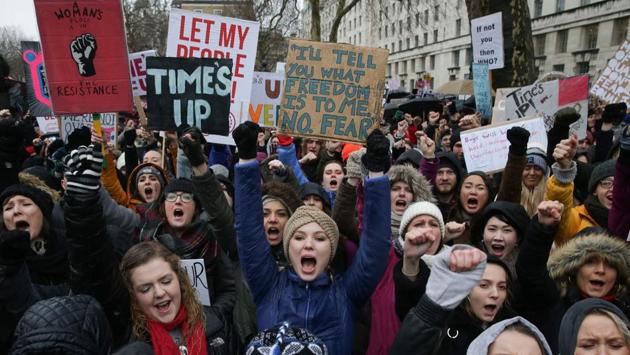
(422, 64)
(558, 67)
(452, 77)
(539, 45)
(359, 37)
(400, 47)
(396, 68)
(538, 6)
(426, 38)
(435, 35)
(393, 46)
(582, 68)
(432, 62)
(468, 59)
(458, 27)
(417, 41)
(400, 27)
(408, 43)
(455, 58)
(412, 66)
(426, 17)
(418, 19)
(561, 41)
(584, 2)
(620, 31)
(559, 5)
(590, 36)
(379, 33)
(360, 20)
(393, 29)
(436, 14)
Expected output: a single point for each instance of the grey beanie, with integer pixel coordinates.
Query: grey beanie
(601, 172)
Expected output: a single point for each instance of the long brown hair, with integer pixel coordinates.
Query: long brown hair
(141, 254)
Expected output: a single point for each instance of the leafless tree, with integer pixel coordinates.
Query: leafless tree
(10, 49)
(146, 22)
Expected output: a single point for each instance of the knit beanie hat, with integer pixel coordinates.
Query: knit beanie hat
(284, 339)
(537, 158)
(39, 197)
(311, 188)
(305, 215)
(182, 185)
(152, 170)
(419, 209)
(602, 171)
(269, 198)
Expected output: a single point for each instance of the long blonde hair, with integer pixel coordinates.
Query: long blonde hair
(531, 198)
(141, 254)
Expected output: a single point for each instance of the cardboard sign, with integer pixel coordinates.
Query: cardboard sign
(264, 104)
(481, 88)
(613, 84)
(195, 91)
(196, 270)
(37, 94)
(486, 148)
(193, 34)
(48, 124)
(108, 125)
(332, 91)
(85, 54)
(498, 111)
(138, 68)
(547, 98)
(487, 40)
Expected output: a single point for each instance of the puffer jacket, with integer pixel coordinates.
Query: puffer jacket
(548, 281)
(68, 325)
(127, 197)
(574, 218)
(327, 306)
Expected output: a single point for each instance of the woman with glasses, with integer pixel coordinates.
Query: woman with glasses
(594, 211)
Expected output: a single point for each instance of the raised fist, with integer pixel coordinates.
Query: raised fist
(550, 213)
(83, 50)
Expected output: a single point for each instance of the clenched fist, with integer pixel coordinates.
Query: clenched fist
(83, 50)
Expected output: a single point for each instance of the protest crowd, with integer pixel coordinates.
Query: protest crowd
(389, 243)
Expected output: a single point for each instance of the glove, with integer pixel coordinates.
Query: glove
(14, 245)
(129, 137)
(284, 140)
(614, 113)
(194, 152)
(246, 138)
(518, 137)
(353, 166)
(565, 117)
(377, 158)
(83, 171)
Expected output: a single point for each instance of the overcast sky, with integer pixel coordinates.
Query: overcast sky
(19, 13)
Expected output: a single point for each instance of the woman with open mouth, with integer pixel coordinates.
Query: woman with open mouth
(475, 192)
(592, 264)
(306, 294)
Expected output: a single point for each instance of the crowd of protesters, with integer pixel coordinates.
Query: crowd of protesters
(313, 246)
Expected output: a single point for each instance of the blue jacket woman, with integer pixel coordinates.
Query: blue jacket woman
(305, 295)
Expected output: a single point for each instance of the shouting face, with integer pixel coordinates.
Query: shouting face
(180, 209)
(499, 237)
(604, 192)
(309, 251)
(445, 181)
(20, 212)
(474, 194)
(401, 197)
(333, 173)
(487, 297)
(156, 290)
(596, 278)
(149, 187)
(275, 216)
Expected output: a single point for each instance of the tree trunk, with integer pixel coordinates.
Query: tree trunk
(315, 21)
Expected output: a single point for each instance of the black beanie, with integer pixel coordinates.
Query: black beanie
(601, 172)
(182, 185)
(39, 197)
(80, 136)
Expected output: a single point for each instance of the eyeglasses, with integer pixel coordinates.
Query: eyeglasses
(185, 197)
(607, 183)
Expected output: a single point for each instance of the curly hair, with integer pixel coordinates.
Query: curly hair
(141, 254)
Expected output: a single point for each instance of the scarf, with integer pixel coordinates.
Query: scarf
(163, 343)
(395, 219)
(597, 211)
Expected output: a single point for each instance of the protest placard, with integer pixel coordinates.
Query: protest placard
(85, 54)
(486, 148)
(613, 84)
(48, 124)
(196, 271)
(193, 34)
(481, 88)
(498, 110)
(264, 104)
(138, 68)
(37, 95)
(332, 91)
(547, 98)
(280, 67)
(487, 40)
(195, 91)
(108, 125)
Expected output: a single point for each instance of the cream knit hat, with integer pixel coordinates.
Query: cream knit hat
(305, 215)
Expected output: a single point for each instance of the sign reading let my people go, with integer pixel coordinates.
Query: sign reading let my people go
(332, 91)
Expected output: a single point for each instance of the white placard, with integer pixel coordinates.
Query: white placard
(486, 148)
(266, 98)
(108, 125)
(487, 40)
(138, 70)
(48, 124)
(196, 270)
(194, 34)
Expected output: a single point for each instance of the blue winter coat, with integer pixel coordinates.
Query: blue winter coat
(327, 307)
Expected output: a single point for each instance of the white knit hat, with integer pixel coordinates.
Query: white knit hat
(418, 209)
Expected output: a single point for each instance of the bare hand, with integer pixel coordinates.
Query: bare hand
(469, 122)
(427, 147)
(417, 243)
(454, 230)
(310, 156)
(550, 213)
(565, 151)
(275, 165)
(466, 259)
(433, 117)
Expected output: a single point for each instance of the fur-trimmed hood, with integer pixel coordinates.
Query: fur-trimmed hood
(420, 186)
(565, 261)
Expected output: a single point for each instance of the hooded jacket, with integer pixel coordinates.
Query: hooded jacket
(548, 281)
(68, 325)
(328, 307)
(481, 344)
